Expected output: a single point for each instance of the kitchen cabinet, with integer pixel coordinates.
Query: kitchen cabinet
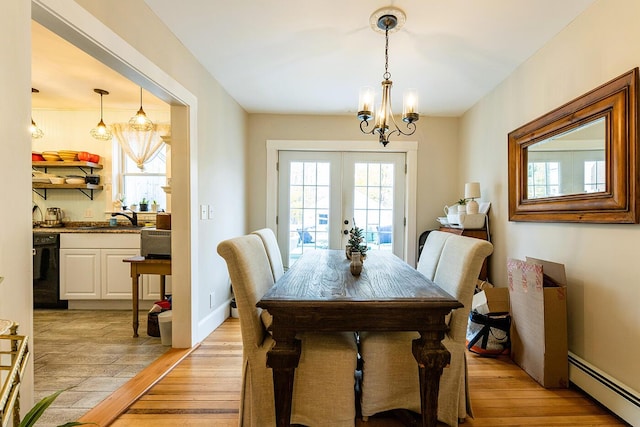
(40, 188)
(91, 267)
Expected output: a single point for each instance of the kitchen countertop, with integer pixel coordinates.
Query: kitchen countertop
(89, 227)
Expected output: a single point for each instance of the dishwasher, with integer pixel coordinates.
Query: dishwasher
(46, 271)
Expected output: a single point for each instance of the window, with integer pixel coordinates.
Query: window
(543, 179)
(594, 178)
(136, 184)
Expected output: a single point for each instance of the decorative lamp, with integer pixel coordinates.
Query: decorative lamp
(384, 124)
(140, 121)
(472, 191)
(101, 131)
(36, 132)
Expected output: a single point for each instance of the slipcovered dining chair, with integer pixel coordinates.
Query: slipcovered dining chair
(431, 252)
(273, 251)
(390, 373)
(323, 390)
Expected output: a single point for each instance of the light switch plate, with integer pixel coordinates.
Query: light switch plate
(210, 211)
(204, 209)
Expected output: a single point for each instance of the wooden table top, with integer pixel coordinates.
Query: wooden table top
(323, 276)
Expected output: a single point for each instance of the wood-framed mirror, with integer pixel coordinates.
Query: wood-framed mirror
(579, 162)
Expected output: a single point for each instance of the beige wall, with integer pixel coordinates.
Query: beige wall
(437, 157)
(601, 260)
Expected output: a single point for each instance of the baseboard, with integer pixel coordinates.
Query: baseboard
(616, 396)
(213, 320)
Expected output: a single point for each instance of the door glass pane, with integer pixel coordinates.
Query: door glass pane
(373, 203)
(308, 207)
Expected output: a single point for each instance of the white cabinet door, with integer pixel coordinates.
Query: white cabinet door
(80, 274)
(116, 274)
(151, 287)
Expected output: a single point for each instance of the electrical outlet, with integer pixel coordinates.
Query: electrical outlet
(204, 209)
(88, 213)
(211, 298)
(210, 211)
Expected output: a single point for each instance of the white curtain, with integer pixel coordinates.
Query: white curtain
(140, 146)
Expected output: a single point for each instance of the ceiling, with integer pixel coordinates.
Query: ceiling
(303, 57)
(66, 77)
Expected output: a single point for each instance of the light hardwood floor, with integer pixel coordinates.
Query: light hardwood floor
(203, 390)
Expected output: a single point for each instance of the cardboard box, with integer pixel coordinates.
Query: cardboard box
(538, 305)
(491, 300)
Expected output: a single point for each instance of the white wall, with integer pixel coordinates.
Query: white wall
(221, 141)
(218, 157)
(15, 163)
(601, 260)
(437, 157)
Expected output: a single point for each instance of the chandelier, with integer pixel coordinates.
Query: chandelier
(101, 131)
(140, 121)
(36, 132)
(384, 124)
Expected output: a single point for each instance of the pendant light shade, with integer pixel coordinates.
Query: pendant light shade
(36, 132)
(140, 121)
(101, 131)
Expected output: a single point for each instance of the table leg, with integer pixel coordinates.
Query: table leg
(162, 286)
(283, 359)
(134, 291)
(432, 357)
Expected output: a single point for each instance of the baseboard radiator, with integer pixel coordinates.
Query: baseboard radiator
(619, 398)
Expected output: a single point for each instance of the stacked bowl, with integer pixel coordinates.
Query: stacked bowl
(51, 156)
(68, 155)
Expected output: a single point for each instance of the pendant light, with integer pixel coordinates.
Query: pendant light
(101, 131)
(140, 121)
(384, 124)
(36, 132)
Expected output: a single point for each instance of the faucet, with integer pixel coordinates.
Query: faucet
(133, 218)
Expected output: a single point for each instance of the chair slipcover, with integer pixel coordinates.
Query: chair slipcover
(323, 391)
(390, 373)
(273, 251)
(431, 252)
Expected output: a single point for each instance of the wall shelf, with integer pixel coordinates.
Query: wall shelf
(40, 188)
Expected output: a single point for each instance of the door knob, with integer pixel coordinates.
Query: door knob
(346, 222)
(345, 232)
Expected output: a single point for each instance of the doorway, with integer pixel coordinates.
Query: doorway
(322, 195)
(408, 178)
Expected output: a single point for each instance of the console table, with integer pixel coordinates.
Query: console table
(141, 265)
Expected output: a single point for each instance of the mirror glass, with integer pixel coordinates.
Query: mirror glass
(571, 162)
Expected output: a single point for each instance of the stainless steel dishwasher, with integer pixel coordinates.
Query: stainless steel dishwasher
(46, 271)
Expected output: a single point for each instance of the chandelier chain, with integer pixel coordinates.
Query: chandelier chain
(387, 74)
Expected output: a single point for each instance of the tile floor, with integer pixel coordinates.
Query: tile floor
(91, 351)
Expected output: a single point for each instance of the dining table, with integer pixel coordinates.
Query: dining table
(319, 294)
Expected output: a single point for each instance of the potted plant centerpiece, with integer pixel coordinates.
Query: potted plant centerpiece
(356, 242)
(144, 205)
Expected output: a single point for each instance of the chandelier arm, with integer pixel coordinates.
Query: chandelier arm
(366, 125)
(411, 127)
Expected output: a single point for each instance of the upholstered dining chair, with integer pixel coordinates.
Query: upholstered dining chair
(390, 373)
(431, 251)
(273, 251)
(323, 390)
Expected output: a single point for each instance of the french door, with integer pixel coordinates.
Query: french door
(321, 195)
